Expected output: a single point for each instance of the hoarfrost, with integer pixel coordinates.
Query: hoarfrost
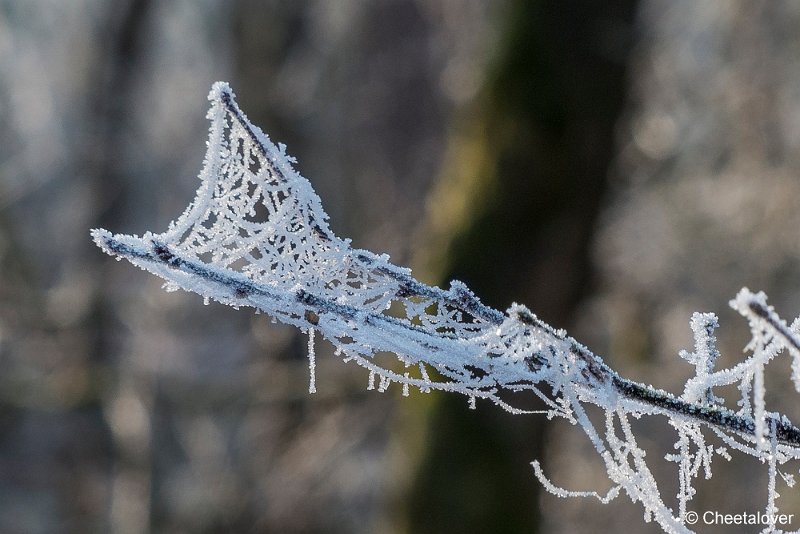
(256, 235)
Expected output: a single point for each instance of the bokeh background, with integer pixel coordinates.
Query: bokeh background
(614, 166)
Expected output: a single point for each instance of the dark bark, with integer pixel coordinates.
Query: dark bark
(546, 124)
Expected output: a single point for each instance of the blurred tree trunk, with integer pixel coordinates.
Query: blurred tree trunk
(513, 217)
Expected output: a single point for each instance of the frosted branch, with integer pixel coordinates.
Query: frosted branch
(256, 235)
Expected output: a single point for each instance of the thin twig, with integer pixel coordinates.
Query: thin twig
(662, 402)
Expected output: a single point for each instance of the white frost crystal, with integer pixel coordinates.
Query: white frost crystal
(256, 235)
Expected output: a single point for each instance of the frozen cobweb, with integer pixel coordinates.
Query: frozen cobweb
(256, 235)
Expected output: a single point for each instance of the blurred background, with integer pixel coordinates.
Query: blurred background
(614, 166)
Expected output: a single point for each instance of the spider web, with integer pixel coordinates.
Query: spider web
(256, 235)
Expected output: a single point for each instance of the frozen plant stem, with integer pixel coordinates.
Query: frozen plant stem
(601, 375)
(256, 235)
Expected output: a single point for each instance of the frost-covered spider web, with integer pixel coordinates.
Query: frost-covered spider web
(256, 235)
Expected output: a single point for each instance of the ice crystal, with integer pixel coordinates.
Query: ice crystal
(256, 235)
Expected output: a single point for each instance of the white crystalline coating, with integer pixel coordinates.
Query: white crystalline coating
(256, 235)
(704, 357)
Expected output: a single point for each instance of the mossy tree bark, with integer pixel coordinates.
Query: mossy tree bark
(521, 197)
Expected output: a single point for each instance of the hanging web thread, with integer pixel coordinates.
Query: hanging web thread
(312, 363)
